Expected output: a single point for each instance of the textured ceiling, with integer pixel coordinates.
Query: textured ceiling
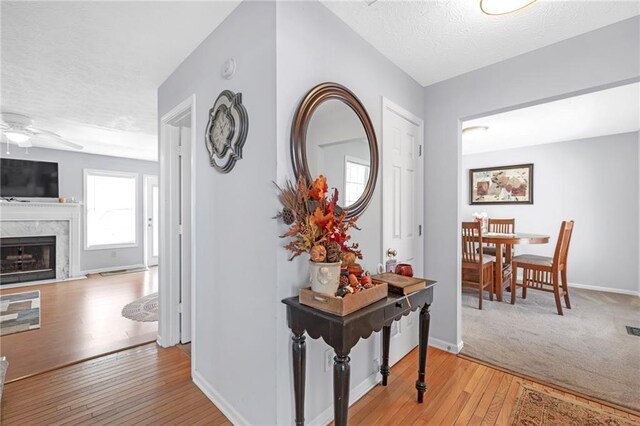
(607, 112)
(436, 40)
(89, 71)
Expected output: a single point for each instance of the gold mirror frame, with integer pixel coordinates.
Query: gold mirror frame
(312, 100)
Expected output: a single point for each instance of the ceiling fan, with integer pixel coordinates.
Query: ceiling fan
(18, 128)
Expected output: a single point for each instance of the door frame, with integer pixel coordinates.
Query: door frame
(146, 208)
(168, 295)
(408, 322)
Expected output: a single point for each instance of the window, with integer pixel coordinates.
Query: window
(110, 206)
(356, 175)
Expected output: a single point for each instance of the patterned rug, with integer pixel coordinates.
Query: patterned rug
(539, 408)
(144, 309)
(19, 312)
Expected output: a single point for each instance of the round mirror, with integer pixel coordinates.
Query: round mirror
(332, 135)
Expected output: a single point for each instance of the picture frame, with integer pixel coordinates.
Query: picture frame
(501, 185)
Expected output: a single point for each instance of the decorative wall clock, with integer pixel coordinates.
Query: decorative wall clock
(226, 131)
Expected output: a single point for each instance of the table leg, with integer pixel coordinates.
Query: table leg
(341, 373)
(425, 319)
(298, 347)
(497, 277)
(384, 368)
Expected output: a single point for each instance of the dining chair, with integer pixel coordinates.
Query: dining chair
(477, 267)
(544, 273)
(503, 226)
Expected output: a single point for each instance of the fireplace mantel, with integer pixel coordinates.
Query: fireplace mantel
(12, 211)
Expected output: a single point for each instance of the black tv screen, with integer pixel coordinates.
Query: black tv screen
(28, 179)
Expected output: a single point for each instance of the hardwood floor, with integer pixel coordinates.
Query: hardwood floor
(151, 385)
(460, 392)
(79, 320)
(141, 386)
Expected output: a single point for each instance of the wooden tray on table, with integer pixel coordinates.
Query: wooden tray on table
(343, 306)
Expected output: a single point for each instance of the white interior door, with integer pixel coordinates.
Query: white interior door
(151, 209)
(402, 201)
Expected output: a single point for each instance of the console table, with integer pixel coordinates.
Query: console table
(342, 333)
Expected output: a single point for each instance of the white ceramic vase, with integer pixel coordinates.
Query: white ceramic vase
(324, 277)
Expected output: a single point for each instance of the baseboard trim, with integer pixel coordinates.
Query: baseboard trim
(446, 346)
(605, 289)
(112, 268)
(326, 417)
(214, 396)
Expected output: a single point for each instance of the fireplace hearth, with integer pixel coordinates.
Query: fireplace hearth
(25, 259)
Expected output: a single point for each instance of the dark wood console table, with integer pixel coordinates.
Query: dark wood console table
(342, 334)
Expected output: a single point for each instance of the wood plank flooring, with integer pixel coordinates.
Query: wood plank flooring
(151, 385)
(79, 320)
(141, 386)
(460, 392)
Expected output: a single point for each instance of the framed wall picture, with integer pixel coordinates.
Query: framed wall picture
(501, 185)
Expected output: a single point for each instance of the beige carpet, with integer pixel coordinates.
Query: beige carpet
(536, 407)
(587, 350)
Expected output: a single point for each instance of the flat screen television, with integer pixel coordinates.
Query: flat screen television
(28, 179)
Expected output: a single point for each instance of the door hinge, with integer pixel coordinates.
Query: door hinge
(419, 150)
(180, 229)
(419, 230)
(179, 149)
(180, 307)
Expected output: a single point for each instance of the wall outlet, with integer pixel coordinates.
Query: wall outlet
(376, 366)
(395, 328)
(328, 360)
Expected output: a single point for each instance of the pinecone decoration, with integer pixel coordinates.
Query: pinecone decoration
(337, 211)
(334, 252)
(344, 280)
(287, 216)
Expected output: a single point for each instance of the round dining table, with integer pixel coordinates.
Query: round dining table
(509, 240)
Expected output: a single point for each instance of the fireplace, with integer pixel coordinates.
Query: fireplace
(24, 259)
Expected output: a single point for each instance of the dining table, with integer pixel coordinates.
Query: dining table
(508, 241)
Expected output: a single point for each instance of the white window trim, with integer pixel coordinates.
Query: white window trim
(356, 160)
(109, 173)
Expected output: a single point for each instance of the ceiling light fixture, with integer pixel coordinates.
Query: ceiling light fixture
(474, 130)
(17, 137)
(503, 7)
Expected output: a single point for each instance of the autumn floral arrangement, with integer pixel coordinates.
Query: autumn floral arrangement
(319, 226)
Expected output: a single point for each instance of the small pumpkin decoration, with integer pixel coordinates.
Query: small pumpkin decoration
(348, 258)
(318, 253)
(353, 280)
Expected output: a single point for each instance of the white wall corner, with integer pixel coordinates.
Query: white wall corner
(222, 404)
(446, 346)
(326, 417)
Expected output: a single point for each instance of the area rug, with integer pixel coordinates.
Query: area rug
(587, 351)
(539, 408)
(19, 312)
(144, 309)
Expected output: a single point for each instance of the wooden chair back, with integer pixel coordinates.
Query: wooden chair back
(503, 226)
(472, 242)
(562, 245)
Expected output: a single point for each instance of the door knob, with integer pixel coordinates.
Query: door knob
(391, 252)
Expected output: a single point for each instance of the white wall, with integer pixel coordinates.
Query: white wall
(314, 46)
(235, 237)
(602, 57)
(71, 181)
(585, 180)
